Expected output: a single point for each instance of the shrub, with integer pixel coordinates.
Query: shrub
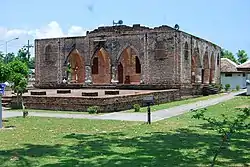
(218, 86)
(227, 87)
(137, 107)
(93, 109)
(237, 87)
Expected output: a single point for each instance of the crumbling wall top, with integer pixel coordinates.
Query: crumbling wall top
(125, 28)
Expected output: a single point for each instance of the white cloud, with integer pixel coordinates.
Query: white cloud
(76, 30)
(52, 30)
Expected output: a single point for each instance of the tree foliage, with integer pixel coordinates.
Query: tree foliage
(9, 58)
(242, 56)
(229, 55)
(1, 57)
(22, 56)
(226, 126)
(20, 67)
(5, 72)
(18, 79)
(31, 63)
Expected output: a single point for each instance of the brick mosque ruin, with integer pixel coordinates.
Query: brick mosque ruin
(127, 57)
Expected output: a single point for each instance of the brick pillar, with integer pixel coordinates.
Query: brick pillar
(212, 76)
(198, 76)
(88, 76)
(206, 76)
(114, 79)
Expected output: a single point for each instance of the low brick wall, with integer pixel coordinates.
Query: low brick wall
(106, 104)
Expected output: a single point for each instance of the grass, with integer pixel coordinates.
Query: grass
(177, 103)
(178, 141)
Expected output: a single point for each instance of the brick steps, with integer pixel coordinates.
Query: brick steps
(6, 101)
(208, 90)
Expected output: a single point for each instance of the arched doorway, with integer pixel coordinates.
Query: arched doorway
(120, 73)
(206, 70)
(129, 67)
(101, 70)
(76, 67)
(196, 67)
(212, 70)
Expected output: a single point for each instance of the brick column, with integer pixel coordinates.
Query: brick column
(212, 76)
(206, 75)
(88, 76)
(114, 71)
(198, 76)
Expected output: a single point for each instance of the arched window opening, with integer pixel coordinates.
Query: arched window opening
(218, 59)
(160, 51)
(95, 66)
(137, 65)
(186, 51)
(48, 51)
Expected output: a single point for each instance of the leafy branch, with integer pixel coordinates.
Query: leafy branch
(225, 126)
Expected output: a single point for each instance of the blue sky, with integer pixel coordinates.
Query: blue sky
(224, 22)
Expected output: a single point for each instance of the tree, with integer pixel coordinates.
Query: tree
(242, 56)
(4, 72)
(22, 55)
(18, 78)
(225, 126)
(31, 64)
(25, 57)
(9, 57)
(229, 55)
(20, 67)
(1, 57)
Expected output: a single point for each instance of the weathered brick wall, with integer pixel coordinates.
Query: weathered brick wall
(161, 51)
(204, 48)
(107, 104)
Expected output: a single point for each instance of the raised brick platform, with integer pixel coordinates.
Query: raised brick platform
(107, 103)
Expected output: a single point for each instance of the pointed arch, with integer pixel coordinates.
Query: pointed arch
(76, 67)
(195, 66)
(101, 67)
(48, 52)
(124, 48)
(205, 70)
(130, 62)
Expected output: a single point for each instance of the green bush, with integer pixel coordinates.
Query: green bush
(218, 86)
(237, 87)
(227, 87)
(137, 107)
(93, 109)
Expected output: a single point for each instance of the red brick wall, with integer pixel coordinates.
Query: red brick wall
(107, 104)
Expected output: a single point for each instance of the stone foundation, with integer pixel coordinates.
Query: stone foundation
(106, 104)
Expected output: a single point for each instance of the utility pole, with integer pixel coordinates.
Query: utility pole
(28, 48)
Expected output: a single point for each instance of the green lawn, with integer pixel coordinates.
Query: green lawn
(178, 141)
(177, 103)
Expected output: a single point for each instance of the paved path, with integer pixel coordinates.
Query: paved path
(156, 116)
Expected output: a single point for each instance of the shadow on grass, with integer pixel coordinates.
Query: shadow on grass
(175, 148)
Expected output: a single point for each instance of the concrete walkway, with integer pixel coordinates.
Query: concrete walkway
(156, 116)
